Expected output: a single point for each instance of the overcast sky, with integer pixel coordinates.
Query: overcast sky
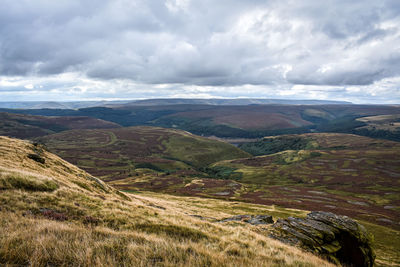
(129, 49)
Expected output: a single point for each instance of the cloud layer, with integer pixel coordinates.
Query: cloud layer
(339, 49)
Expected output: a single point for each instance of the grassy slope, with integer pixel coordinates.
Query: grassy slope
(53, 213)
(387, 241)
(119, 153)
(351, 175)
(254, 121)
(382, 122)
(356, 174)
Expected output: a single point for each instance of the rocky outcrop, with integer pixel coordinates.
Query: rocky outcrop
(338, 238)
(251, 219)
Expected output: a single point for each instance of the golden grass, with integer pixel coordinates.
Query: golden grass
(83, 222)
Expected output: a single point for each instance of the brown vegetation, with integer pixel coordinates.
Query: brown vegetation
(30, 126)
(83, 222)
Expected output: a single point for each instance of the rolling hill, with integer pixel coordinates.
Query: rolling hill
(57, 104)
(263, 120)
(113, 154)
(29, 126)
(242, 121)
(53, 213)
(348, 174)
(343, 173)
(227, 102)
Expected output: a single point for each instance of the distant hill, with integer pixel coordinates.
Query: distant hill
(245, 121)
(29, 126)
(57, 104)
(230, 102)
(155, 102)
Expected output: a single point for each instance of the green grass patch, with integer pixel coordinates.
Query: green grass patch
(201, 152)
(273, 145)
(26, 182)
(82, 185)
(223, 172)
(386, 243)
(148, 165)
(290, 156)
(174, 231)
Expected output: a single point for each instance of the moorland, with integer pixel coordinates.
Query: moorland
(282, 159)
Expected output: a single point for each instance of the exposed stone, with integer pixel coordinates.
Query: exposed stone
(360, 203)
(36, 158)
(222, 193)
(338, 238)
(384, 220)
(251, 219)
(389, 207)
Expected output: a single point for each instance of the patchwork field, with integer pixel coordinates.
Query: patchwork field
(382, 122)
(114, 154)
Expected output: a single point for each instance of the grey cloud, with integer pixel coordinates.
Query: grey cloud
(214, 43)
(354, 77)
(376, 34)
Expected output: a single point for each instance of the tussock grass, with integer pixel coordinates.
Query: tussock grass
(25, 182)
(174, 231)
(101, 227)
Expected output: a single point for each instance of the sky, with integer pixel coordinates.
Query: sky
(69, 50)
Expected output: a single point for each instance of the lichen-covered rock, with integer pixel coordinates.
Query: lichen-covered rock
(251, 219)
(338, 238)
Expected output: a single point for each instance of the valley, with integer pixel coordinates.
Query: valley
(240, 121)
(55, 213)
(290, 170)
(343, 173)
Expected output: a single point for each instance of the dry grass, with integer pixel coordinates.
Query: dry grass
(80, 221)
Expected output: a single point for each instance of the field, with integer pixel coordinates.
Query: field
(383, 122)
(53, 213)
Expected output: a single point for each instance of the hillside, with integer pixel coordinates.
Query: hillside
(341, 173)
(345, 174)
(113, 154)
(29, 126)
(262, 120)
(53, 213)
(348, 174)
(242, 121)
